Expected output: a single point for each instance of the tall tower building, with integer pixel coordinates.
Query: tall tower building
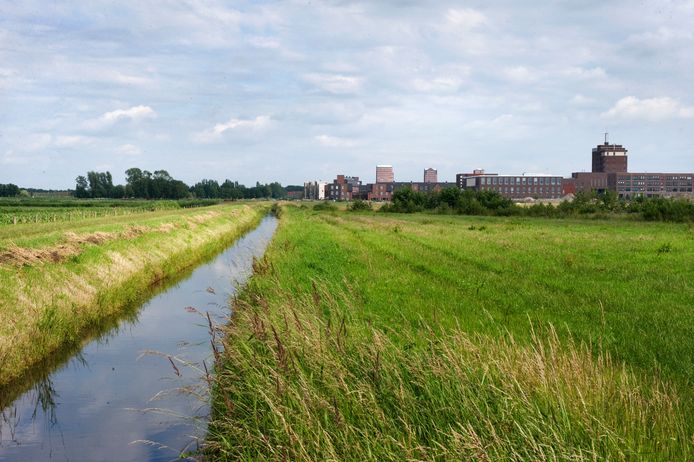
(384, 174)
(431, 175)
(609, 158)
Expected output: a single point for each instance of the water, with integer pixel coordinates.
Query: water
(120, 398)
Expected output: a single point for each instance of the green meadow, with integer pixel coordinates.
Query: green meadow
(374, 336)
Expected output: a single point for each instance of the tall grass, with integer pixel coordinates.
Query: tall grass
(424, 337)
(302, 379)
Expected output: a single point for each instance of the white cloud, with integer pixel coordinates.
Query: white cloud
(438, 84)
(135, 113)
(216, 132)
(335, 83)
(334, 142)
(582, 73)
(662, 37)
(37, 142)
(264, 42)
(520, 74)
(466, 18)
(41, 141)
(651, 109)
(128, 150)
(502, 121)
(581, 100)
(68, 141)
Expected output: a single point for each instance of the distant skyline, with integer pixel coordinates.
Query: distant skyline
(293, 91)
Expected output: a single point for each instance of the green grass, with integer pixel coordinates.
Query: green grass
(390, 337)
(17, 211)
(59, 280)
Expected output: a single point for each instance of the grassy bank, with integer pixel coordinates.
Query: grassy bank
(390, 337)
(59, 280)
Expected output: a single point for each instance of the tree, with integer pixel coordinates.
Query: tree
(81, 187)
(100, 184)
(9, 190)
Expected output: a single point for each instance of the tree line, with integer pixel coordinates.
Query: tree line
(9, 190)
(159, 184)
(604, 205)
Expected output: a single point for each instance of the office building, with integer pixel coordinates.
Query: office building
(516, 186)
(609, 173)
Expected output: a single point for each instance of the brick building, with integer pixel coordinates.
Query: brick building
(343, 188)
(431, 175)
(610, 173)
(651, 184)
(460, 178)
(516, 186)
(384, 191)
(609, 158)
(384, 174)
(380, 192)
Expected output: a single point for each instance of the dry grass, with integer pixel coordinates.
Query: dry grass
(72, 245)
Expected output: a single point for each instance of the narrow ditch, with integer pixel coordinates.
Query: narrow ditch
(136, 392)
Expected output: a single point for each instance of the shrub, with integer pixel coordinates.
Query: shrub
(359, 205)
(325, 206)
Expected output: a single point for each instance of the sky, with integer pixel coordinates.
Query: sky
(293, 91)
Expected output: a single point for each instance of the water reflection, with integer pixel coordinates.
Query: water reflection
(142, 381)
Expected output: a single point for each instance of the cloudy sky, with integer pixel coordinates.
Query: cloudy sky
(298, 90)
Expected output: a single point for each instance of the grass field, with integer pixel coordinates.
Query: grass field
(421, 337)
(16, 211)
(58, 280)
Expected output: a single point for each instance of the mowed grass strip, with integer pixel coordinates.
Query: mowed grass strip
(58, 282)
(393, 337)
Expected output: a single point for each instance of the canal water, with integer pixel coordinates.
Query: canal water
(120, 398)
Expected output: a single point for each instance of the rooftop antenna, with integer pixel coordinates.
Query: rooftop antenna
(606, 136)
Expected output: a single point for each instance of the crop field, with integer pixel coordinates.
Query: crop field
(373, 336)
(59, 279)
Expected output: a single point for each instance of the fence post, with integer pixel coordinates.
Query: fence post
(14, 219)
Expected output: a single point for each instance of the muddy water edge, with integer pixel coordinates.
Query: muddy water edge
(135, 391)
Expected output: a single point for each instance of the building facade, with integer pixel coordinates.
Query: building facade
(651, 184)
(609, 158)
(516, 186)
(315, 190)
(384, 174)
(460, 178)
(380, 192)
(609, 173)
(590, 181)
(343, 188)
(431, 175)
